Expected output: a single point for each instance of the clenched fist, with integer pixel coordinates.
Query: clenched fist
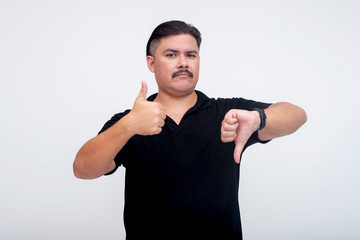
(146, 118)
(238, 125)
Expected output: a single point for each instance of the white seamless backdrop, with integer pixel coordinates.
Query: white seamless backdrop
(67, 66)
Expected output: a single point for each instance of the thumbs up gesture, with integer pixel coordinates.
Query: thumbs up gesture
(146, 118)
(238, 126)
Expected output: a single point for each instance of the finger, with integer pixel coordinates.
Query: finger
(226, 134)
(235, 114)
(237, 152)
(230, 127)
(163, 115)
(227, 139)
(158, 130)
(161, 123)
(162, 110)
(143, 91)
(238, 116)
(230, 120)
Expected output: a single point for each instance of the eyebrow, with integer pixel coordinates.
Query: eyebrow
(176, 51)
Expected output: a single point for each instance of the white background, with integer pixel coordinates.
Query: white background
(67, 66)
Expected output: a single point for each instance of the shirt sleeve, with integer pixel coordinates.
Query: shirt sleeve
(122, 157)
(241, 103)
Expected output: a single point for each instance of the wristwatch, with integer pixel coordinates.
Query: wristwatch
(262, 118)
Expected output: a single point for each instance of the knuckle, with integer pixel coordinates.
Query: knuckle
(154, 130)
(158, 130)
(228, 127)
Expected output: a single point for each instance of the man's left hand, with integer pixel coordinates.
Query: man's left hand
(239, 125)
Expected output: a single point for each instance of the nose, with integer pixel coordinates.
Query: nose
(183, 62)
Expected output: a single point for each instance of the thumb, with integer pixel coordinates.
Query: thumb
(237, 151)
(143, 91)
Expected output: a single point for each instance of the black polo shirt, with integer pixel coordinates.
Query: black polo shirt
(183, 183)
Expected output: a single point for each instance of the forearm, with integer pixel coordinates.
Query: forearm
(96, 157)
(282, 119)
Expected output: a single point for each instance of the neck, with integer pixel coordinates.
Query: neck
(176, 106)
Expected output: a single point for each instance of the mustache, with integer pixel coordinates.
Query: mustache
(181, 71)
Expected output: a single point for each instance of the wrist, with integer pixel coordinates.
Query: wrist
(127, 125)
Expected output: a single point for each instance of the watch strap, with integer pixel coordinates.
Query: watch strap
(262, 118)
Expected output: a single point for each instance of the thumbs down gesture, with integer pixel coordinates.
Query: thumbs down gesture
(238, 125)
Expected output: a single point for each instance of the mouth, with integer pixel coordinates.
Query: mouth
(183, 73)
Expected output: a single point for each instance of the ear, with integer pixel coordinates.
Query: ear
(151, 63)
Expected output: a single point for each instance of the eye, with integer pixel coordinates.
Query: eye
(189, 55)
(170, 55)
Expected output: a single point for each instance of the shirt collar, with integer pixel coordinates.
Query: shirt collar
(202, 102)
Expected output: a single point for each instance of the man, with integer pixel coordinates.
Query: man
(181, 149)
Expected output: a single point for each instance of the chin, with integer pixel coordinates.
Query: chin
(179, 91)
(184, 86)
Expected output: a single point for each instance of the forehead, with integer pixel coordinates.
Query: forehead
(180, 42)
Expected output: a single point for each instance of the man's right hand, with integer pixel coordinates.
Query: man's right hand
(96, 156)
(146, 118)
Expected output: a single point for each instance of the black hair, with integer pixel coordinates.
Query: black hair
(171, 28)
